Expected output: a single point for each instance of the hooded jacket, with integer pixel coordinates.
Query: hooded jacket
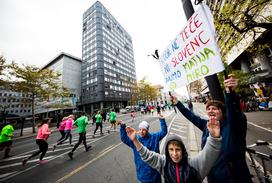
(231, 165)
(145, 173)
(191, 170)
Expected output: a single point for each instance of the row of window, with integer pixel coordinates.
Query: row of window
(117, 40)
(17, 111)
(15, 94)
(17, 105)
(110, 21)
(90, 50)
(125, 70)
(90, 16)
(119, 82)
(8, 100)
(118, 51)
(128, 67)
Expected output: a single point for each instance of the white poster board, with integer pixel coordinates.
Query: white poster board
(193, 54)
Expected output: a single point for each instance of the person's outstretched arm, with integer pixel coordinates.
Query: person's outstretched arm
(203, 162)
(123, 135)
(153, 159)
(196, 120)
(162, 133)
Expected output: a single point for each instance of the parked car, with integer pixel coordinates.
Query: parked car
(123, 111)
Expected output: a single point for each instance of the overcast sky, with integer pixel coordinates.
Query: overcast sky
(36, 31)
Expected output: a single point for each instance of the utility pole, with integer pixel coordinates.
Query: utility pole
(212, 80)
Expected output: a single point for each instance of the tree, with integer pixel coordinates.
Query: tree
(3, 68)
(238, 20)
(143, 91)
(195, 86)
(39, 84)
(243, 77)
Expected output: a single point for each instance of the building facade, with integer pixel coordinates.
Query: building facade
(70, 69)
(108, 67)
(14, 104)
(258, 64)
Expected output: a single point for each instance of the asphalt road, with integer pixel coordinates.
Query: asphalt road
(110, 160)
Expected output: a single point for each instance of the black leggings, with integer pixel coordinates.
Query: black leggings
(98, 125)
(62, 135)
(67, 134)
(82, 138)
(43, 146)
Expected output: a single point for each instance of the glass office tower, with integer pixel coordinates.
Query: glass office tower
(108, 67)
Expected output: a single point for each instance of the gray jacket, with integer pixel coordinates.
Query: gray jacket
(202, 162)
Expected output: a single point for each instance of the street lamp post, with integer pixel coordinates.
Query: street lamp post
(212, 80)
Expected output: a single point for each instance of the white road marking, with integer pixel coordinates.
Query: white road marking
(259, 127)
(6, 174)
(20, 163)
(182, 137)
(182, 131)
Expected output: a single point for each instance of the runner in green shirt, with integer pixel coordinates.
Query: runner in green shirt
(98, 123)
(81, 124)
(5, 138)
(112, 120)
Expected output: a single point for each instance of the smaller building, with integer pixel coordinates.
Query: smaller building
(70, 68)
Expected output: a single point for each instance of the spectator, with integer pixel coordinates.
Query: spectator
(145, 173)
(231, 165)
(174, 165)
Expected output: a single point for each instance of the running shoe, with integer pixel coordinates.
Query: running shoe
(42, 161)
(54, 147)
(24, 161)
(70, 154)
(89, 147)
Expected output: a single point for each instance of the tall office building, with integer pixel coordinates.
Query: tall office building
(108, 68)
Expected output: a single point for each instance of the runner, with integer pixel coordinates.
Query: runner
(5, 138)
(98, 123)
(67, 130)
(81, 123)
(133, 115)
(112, 120)
(41, 141)
(62, 127)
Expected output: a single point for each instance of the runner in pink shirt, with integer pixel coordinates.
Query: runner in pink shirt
(67, 130)
(62, 128)
(41, 140)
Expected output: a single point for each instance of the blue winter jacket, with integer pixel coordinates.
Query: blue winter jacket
(145, 173)
(231, 165)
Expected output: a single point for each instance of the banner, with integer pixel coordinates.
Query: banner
(193, 54)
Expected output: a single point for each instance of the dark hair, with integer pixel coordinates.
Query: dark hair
(183, 149)
(217, 104)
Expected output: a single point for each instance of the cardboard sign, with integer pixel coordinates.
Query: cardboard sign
(193, 54)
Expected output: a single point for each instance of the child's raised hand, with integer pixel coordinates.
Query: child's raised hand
(131, 133)
(214, 127)
(161, 116)
(118, 121)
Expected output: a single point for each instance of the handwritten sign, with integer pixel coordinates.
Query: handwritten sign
(193, 54)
